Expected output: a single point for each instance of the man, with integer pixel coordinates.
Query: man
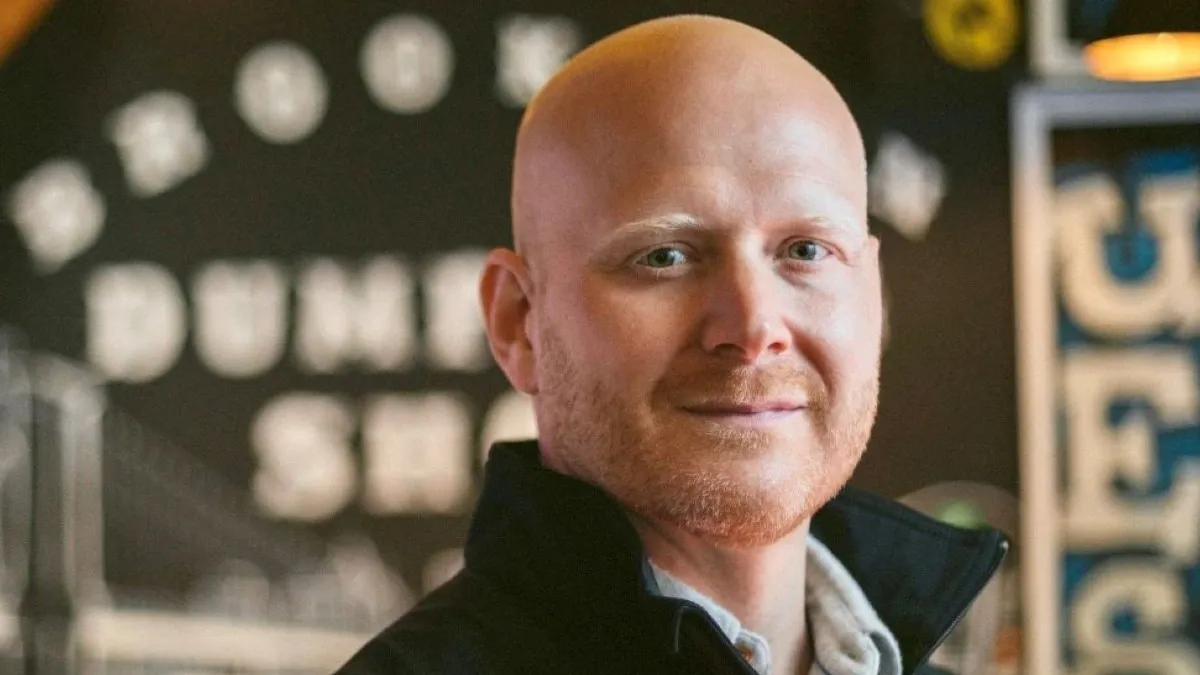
(694, 305)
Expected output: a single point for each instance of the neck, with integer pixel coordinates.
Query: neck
(762, 586)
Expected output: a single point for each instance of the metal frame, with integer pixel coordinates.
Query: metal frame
(1036, 112)
(1051, 51)
(64, 622)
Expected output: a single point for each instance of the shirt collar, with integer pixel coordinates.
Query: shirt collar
(751, 645)
(848, 636)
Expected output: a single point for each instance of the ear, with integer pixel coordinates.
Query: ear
(884, 302)
(505, 291)
(885, 327)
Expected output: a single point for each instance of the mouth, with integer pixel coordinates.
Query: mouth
(747, 413)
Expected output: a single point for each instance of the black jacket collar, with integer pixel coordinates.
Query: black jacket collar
(570, 548)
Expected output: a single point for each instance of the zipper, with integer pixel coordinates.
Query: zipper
(993, 565)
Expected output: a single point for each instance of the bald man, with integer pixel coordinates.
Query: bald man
(693, 303)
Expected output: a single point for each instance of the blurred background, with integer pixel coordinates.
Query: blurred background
(244, 391)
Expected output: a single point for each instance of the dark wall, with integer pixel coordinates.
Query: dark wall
(414, 188)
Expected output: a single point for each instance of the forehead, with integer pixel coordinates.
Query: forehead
(724, 198)
(739, 150)
(746, 173)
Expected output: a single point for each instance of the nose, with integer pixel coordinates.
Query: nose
(746, 313)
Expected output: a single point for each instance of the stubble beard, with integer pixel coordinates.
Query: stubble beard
(689, 476)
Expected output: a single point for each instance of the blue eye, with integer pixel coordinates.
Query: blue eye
(806, 250)
(661, 258)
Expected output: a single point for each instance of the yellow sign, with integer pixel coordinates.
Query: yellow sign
(972, 34)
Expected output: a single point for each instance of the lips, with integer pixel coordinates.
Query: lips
(758, 414)
(731, 408)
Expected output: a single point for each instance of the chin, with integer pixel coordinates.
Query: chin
(763, 526)
(744, 503)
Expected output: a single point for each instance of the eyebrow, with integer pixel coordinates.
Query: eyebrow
(669, 222)
(685, 222)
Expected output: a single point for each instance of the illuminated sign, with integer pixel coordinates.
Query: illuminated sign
(271, 579)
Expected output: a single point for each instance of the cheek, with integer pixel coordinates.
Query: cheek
(854, 323)
(633, 335)
(844, 331)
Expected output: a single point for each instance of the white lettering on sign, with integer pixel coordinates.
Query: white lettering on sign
(407, 62)
(241, 316)
(1100, 454)
(58, 212)
(159, 141)
(345, 317)
(416, 453)
(303, 445)
(1125, 401)
(1154, 595)
(529, 50)
(280, 92)
(1086, 211)
(455, 334)
(365, 316)
(136, 321)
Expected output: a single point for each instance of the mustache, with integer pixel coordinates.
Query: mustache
(746, 385)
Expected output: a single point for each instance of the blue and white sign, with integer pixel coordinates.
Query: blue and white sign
(1107, 262)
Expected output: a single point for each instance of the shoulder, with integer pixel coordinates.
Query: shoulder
(929, 669)
(466, 626)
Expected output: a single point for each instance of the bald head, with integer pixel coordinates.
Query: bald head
(689, 208)
(688, 90)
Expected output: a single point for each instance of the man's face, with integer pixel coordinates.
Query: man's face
(707, 334)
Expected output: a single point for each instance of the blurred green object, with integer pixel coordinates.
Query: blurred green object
(961, 513)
